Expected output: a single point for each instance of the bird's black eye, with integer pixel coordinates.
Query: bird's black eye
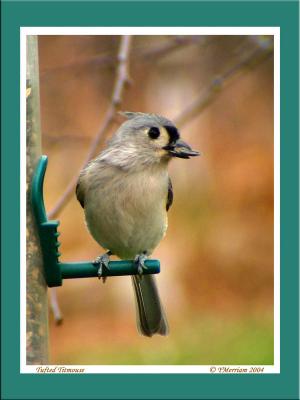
(153, 132)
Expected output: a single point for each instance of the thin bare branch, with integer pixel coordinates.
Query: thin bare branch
(165, 48)
(58, 317)
(122, 77)
(211, 92)
(145, 55)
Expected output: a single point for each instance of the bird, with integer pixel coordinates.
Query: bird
(126, 193)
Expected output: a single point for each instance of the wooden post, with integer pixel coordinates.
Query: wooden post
(36, 288)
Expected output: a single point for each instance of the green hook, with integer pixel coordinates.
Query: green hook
(55, 271)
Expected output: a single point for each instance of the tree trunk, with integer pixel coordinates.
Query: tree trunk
(36, 288)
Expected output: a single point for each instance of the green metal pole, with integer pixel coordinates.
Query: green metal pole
(116, 268)
(36, 288)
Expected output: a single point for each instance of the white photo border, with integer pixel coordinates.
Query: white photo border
(151, 369)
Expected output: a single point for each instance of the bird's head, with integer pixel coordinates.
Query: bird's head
(146, 139)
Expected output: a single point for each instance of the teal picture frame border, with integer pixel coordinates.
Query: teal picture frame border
(149, 386)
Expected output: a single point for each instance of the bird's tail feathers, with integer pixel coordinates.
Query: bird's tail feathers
(150, 314)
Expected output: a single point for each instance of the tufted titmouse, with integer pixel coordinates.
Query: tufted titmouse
(126, 193)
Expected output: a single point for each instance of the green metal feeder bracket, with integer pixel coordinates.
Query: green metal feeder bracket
(56, 271)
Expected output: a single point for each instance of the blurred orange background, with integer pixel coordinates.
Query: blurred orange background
(216, 281)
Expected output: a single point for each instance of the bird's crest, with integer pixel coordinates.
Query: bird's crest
(146, 117)
(131, 114)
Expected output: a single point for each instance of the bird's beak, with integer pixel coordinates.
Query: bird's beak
(181, 149)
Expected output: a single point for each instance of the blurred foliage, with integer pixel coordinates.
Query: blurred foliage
(217, 257)
(204, 341)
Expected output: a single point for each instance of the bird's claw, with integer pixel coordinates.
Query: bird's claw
(140, 263)
(100, 262)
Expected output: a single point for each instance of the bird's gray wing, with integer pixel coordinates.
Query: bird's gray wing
(170, 195)
(80, 194)
(95, 172)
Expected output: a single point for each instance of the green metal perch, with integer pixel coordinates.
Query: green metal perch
(55, 271)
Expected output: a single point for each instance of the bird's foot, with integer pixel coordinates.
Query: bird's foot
(100, 262)
(140, 263)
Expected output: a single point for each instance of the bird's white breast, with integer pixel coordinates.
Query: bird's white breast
(127, 214)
